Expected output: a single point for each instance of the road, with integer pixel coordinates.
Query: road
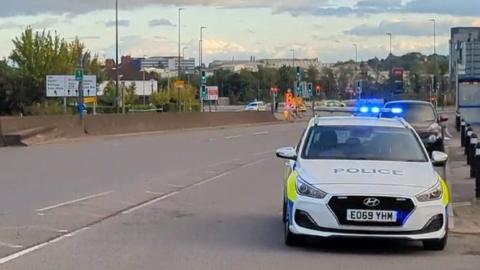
(197, 199)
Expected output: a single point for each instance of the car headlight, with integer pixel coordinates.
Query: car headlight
(305, 189)
(432, 194)
(434, 137)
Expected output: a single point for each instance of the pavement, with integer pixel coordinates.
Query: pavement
(204, 199)
(466, 209)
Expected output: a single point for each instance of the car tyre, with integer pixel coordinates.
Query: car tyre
(436, 244)
(291, 239)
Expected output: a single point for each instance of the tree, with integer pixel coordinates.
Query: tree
(38, 54)
(130, 96)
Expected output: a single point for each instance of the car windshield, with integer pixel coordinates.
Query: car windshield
(413, 113)
(363, 143)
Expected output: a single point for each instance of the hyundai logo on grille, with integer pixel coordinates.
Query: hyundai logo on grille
(371, 202)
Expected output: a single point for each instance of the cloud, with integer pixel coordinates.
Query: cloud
(160, 22)
(121, 23)
(10, 25)
(451, 7)
(401, 28)
(214, 46)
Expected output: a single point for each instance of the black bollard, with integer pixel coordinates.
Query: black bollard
(477, 171)
(458, 121)
(471, 153)
(463, 126)
(468, 133)
(471, 148)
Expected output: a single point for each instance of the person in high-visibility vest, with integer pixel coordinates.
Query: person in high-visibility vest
(289, 104)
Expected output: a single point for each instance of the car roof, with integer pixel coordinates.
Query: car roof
(410, 101)
(358, 121)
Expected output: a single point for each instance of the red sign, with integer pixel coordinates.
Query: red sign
(397, 74)
(274, 90)
(212, 92)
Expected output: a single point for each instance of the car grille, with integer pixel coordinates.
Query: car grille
(340, 204)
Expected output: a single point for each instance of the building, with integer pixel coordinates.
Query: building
(464, 53)
(169, 63)
(253, 64)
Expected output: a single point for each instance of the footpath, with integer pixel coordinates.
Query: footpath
(466, 209)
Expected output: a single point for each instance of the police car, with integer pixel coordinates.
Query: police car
(363, 176)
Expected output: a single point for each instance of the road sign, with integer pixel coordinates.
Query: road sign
(79, 74)
(179, 84)
(212, 93)
(67, 86)
(90, 100)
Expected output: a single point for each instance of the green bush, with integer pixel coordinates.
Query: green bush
(48, 107)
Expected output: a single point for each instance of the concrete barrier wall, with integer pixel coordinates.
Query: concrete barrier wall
(108, 124)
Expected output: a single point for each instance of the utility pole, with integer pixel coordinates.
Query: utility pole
(116, 58)
(435, 75)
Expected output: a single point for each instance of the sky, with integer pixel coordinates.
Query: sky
(324, 29)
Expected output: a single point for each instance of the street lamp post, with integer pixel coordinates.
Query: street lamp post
(116, 58)
(293, 57)
(435, 83)
(390, 37)
(179, 39)
(200, 59)
(356, 63)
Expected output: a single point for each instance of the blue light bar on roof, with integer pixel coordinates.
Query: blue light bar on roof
(375, 110)
(364, 109)
(397, 110)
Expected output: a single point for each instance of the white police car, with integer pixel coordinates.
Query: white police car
(364, 177)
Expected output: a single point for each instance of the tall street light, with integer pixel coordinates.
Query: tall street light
(293, 57)
(116, 57)
(356, 53)
(200, 60)
(179, 38)
(200, 48)
(435, 88)
(390, 36)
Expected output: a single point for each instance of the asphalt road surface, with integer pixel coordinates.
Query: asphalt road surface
(208, 199)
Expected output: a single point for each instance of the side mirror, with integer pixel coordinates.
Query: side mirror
(287, 153)
(443, 118)
(439, 159)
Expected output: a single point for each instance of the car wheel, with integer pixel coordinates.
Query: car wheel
(291, 239)
(436, 244)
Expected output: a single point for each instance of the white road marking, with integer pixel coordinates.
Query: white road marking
(168, 195)
(260, 133)
(150, 202)
(39, 246)
(211, 179)
(253, 163)
(233, 137)
(154, 193)
(223, 162)
(172, 185)
(10, 245)
(74, 201)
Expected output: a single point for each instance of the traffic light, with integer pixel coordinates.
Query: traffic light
(297, 87)
(318, 89)
(204, 77)
(204, 92)
(299, 72)
(310, 89)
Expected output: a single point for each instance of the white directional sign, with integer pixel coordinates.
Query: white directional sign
(67, 86)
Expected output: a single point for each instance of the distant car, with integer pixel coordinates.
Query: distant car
(332, 103)
(256, 106)
(425, 120)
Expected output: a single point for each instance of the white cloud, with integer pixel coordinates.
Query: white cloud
(216, 46)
